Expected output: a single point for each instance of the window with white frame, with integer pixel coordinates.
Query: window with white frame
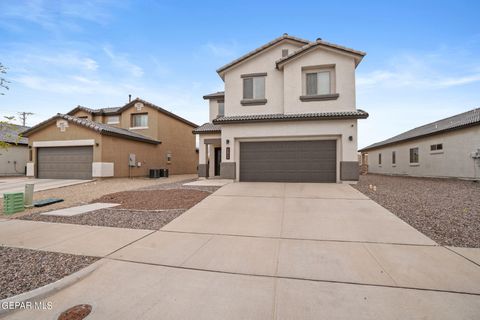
(254, 88)
(318, 83)
(436, 147)
(139, 120)
(414, 156)
(113, 119)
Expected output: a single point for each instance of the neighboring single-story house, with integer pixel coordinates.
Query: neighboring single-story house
(125, 141)
(288, 114)
(446, 148)
(14, 153)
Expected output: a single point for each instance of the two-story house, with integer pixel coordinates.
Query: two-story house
(124, 141)
(288, 114)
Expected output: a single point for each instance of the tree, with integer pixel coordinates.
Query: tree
(3, 82)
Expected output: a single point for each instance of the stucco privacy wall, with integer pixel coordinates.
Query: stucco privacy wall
(13, 160)
(263, 62)
(453, 161)
(295, 130)
(344, 82)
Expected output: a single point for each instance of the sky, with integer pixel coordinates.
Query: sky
(422, 60)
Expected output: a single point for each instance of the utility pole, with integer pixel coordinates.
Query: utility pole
(23, 116)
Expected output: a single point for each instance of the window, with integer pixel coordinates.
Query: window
(318, 83)
(436, 147)
(254, 88)
(113, 119)
(379, 158)
(394, 157)
(221, 108)
(139, 120)
(414, 155)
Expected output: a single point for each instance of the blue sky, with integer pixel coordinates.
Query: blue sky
(422, 60)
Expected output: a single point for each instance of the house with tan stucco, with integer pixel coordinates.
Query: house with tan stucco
(447, 148)
(14, 150)
(287, 113)
(124, 141)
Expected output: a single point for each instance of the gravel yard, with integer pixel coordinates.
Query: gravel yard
(132, 219)
(87, 192)
(150, 208)
(446, 210)
(23, 270)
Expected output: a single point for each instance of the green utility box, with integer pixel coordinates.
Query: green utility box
(13, 202)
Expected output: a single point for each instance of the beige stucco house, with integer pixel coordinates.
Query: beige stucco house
(125, 141)
(14, 153)
(288, 113)
(445, 148)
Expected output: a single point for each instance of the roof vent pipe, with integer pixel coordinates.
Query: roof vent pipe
(129, 98)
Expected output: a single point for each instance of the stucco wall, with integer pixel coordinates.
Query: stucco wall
(344, 82)
(453, 161)
(338, 130)
(213, 109)
(264, 62)
(151, 131)
(13, 160)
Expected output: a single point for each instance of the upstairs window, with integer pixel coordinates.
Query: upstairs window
(414, 158)
(318, 83)
(254, 88)
(436, 147)
(394, 157)
(221, 109)
(139, 120)
(113, 119)
(379, 158)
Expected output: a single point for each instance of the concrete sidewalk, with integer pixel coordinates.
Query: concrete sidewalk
(18, 184)
(66, 238)
(280, 251)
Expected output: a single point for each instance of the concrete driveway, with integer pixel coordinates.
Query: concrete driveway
(280, 251)
(17, 184)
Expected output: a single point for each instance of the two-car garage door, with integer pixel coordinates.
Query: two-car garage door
(288, 161)
(65, 162)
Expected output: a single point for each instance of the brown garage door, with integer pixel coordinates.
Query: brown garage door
(65, 163)
(288, 161)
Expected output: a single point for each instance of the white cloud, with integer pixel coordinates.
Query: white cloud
(121, 61)
(434, 70)
(227, 50)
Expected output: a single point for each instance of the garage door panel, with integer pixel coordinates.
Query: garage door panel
(288, 161)
(65, 163)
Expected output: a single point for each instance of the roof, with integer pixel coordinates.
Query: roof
(285, 36)
(119, 110)
(320, 43)
(459, 121)
(12, 133)
(358, 114)
(101, 128)
(215, 95)
(208, 128)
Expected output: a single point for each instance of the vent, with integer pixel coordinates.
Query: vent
(284, 52)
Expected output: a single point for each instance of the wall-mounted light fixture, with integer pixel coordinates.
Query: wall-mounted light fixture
(227, 141)
(350, 138)
(97, 144)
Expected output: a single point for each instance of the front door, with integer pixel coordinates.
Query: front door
(218, 160)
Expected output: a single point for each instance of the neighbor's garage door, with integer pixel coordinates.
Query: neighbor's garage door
(65, 163)
(288, 161)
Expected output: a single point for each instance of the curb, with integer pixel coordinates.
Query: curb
(49, 289)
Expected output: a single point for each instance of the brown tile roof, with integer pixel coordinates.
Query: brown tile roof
(459, 121)
(320, 43)
(208, 128)
(101, 128)
(118, 110)
(215, 95)
(285, 36)
(358, 114)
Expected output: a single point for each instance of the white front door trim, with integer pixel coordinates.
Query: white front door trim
(63, 143)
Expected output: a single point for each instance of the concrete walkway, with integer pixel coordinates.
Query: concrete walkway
(66, 238)
(280, 251)
(18, 184)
